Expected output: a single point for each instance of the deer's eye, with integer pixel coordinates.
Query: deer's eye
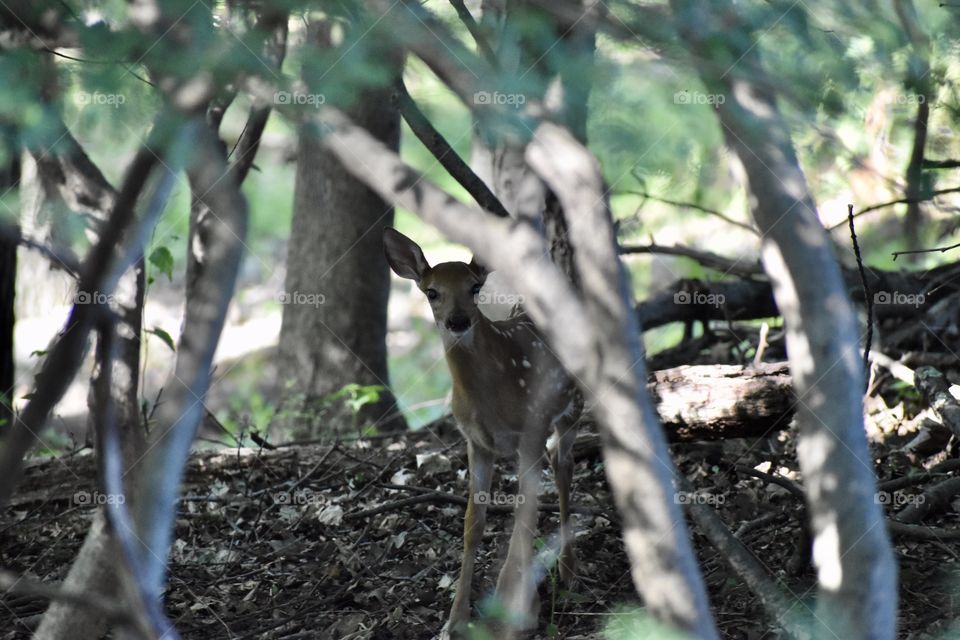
(432, 294)
(475, 289)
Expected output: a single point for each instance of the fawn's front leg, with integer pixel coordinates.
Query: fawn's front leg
(561, 459)
(516, 585)
(481, 471)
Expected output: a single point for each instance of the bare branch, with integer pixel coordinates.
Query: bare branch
(706, 258)
(695, 206)
(890, 203)
(60, 258)
(940, 164)
(777, 605)
(274, 51)
(471, 24)
(446, 155)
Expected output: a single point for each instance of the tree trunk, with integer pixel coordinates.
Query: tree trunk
(851, 549)
(334, 324)
(68, 175)
(9, 179)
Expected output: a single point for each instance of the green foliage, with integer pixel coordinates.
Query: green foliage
(300, 409)
(164, 337)
(637, 624)
(827, 61)
(355, 397)
(162, 259)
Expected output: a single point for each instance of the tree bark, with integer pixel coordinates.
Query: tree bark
(851, 549)
(9, 179)
(918, 80)
(157, 486)
(337, 285)
(80, 184)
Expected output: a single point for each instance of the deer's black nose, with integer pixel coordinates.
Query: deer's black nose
(458, 324)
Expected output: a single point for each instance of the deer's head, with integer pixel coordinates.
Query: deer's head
(451, 287)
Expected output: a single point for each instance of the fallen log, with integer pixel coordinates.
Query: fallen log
(710, 402)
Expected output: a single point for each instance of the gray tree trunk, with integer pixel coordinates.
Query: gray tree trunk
(851, 549)
(68, 176)
(334, 324)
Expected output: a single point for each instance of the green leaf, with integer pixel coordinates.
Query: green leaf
(162, 259)
(163, 335)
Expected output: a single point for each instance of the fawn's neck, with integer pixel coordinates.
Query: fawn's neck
(481, 356)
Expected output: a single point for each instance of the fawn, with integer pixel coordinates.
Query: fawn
(508, 391)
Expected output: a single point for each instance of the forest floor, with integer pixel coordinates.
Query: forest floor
(362, 539)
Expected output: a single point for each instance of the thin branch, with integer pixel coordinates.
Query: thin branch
(772, 478)
(705, 258)
(59, 257)
(161, 470)
(125, 65)
(775, 601)
(899, 370)
(940, 164)
(948, 466)
(691, 205)
(471, 24)
(274, 51)
(922, 532)
(866, 289)
(890, 203)
(446, 155)
(438, 497)
(897, 254)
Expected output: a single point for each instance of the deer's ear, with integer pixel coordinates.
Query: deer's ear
(404, 255)
(478, 269)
